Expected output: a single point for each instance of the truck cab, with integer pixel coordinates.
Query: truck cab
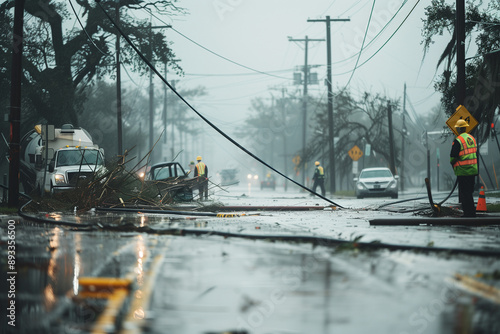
(58, 159)
(69, 166)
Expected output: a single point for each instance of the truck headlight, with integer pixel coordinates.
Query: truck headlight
(59, 178)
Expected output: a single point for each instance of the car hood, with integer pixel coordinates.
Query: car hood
(376, 179)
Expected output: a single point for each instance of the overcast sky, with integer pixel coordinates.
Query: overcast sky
(255, 34)
(240, 50)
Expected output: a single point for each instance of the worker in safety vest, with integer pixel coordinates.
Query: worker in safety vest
(463, 158)
(201, 173)
(319, 178)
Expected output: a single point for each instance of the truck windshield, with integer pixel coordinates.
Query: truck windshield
(75, 157)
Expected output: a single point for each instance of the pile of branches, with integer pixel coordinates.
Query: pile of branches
(114, 186)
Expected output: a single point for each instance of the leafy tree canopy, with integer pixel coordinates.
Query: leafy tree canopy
(482, 71)
(60, 59)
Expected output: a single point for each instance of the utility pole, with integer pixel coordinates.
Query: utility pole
(304, 97)
(151, 86)
(165, 112)
(15, 105)
(460, 40)
(391, 138)
(428, 155)
(172, 120)
(403, 141)
(151, 93)
(118, 85)
(331, 135)
(283, 110)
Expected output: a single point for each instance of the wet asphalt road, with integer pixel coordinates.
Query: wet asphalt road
(193, 274)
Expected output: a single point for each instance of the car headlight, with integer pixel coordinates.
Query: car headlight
(360, 186)
(59, 178)
(393, 184)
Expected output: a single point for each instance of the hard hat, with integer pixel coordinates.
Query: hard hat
(198, 158)
(317, 163)
(191, 163)
(461, 124)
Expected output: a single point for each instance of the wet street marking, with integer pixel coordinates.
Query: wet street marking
(115, 290)
(140, 305)
(479, 288)
(139, 308)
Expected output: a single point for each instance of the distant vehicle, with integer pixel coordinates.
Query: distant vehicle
(171, 180)
(268, 182)
(253, 179)
(374, 182)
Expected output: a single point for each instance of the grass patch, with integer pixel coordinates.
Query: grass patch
(6, 210)
(345, 193)
(493, 207)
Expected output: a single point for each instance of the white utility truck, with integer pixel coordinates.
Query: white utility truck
(57, 159)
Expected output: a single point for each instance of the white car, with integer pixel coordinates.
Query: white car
(374, 182)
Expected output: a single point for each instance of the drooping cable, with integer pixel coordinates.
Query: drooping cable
(385, 43)
(203, 117)
(362, 45)
(376, 36)
(225, 58)
(84, 30)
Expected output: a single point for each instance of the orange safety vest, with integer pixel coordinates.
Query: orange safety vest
(467, 158)
(200, 167)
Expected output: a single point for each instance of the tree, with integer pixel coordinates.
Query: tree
(59, 63)
(272, 129)
(482, 72)
(99, 115)
(356, 122)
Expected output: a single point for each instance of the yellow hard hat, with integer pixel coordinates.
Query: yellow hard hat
(198, 158)
(317, 163)
(461, 124)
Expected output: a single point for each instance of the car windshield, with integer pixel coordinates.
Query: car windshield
(75, 157)
(370, 174)
(165, 172)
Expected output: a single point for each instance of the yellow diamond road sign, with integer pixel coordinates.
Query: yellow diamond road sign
(355, 153)
(461, 113)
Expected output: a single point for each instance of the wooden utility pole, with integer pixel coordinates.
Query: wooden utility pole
(118, 85)
(283, 111)
(304, 98)
(391, 138)
(15, 105)
(331, 135)
(460, 40)
(403, 135)
(151, 93)
(165, 108)
(151, 87)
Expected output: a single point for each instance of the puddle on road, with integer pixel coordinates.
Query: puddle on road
(50, 260)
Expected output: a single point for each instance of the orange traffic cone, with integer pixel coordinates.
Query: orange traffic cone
(481, 202)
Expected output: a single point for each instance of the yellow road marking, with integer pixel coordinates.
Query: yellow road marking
(140, 304)
(479, 288)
